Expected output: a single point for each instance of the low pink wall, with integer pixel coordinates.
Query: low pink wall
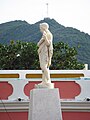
(68, 90)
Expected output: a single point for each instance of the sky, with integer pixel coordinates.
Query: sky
(70, 13)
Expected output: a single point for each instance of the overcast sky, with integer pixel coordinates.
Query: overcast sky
(70, 13)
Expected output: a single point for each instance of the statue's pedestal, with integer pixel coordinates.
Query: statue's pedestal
(47, 85)
(45, 105)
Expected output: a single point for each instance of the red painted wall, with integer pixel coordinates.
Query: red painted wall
(14, 116)
(67, 89)
(24, 116)
(76, 115)
(5, 90)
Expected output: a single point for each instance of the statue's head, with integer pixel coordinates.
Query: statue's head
(44, 26)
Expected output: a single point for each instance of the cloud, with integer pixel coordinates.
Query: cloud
(73, 13)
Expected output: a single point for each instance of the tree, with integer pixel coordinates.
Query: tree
(65, 57)
(23, 55)
(19, 55)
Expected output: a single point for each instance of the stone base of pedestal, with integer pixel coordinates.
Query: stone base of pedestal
(44, 105)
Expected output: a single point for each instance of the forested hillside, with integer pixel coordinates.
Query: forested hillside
(23, 31)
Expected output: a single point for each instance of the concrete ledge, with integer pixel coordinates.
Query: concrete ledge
(23, 106)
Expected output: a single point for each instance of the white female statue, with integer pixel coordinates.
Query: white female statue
(45, 52)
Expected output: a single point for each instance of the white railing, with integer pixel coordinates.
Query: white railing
(22, 73)
(18, 84)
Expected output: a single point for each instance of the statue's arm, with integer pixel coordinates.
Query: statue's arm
(40, 42)
(48, 39)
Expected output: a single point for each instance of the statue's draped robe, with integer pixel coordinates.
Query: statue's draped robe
(45, 50)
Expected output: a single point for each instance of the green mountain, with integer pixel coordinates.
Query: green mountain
(21, 30)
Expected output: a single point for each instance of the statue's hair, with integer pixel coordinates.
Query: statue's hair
(44, 25)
